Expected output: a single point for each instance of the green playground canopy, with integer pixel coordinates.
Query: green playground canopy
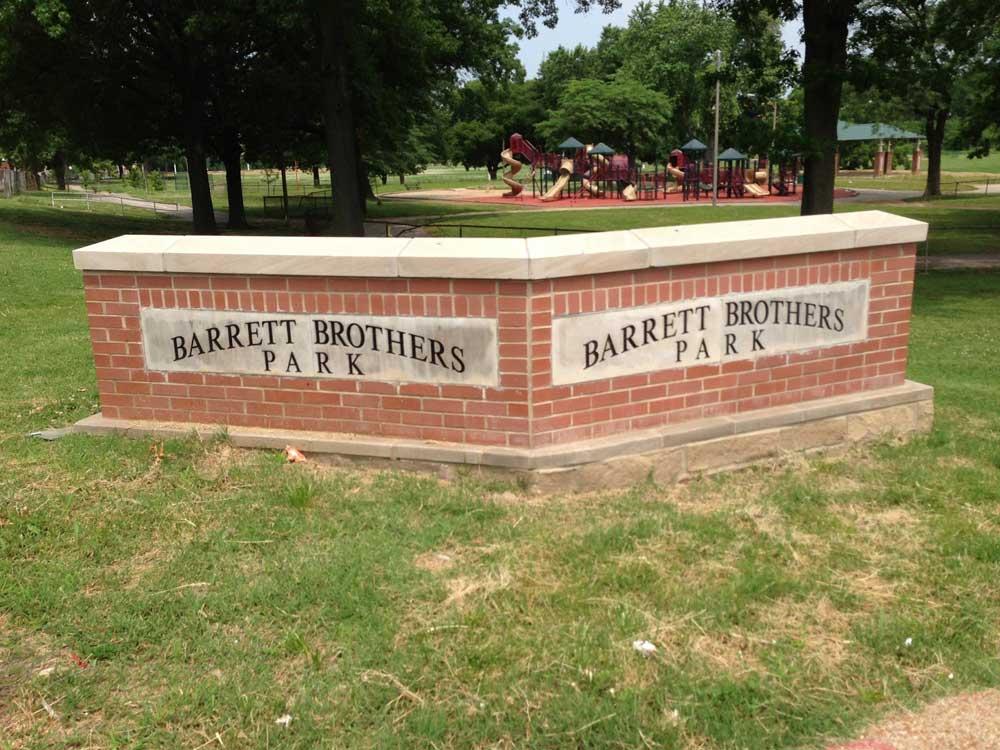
(570, 143)
(602, 149)
(872, 131)
(731, 154)
(694, 145)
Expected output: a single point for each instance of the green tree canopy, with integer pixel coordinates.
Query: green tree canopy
(622, 112)
(920, 49)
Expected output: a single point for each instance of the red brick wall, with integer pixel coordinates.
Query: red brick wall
(597, 408)
(504, 415)
(458, 413)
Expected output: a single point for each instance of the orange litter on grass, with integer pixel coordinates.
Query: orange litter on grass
(294, 455)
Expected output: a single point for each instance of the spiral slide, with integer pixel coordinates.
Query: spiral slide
(507, 157)
(592, 187)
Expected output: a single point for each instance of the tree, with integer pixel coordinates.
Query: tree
(669, 48)
(921, 48)
(156, 72)
(386, 64)
(825, 25)
(36, 123)
(981, 125)
(484, 117)
(560, 67)
(623, 112)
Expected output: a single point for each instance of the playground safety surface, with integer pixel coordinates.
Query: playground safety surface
(470, 195)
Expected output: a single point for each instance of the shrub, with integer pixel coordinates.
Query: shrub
(134, 177)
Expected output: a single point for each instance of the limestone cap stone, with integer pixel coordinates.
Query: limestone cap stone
(499, 258)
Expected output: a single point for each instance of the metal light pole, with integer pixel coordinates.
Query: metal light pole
(715, 148)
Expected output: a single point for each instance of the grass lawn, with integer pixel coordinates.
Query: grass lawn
(959, 161)
(955, 167)
(187, 594)
(951, 182)
(956, 226)
(258, 183)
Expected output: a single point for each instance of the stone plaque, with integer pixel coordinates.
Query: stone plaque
(414, 350)
(707, 331)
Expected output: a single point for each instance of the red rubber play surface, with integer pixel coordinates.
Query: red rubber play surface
(525, 199)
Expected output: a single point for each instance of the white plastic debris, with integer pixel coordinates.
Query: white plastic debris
(951, 675)
(283, 720)
(644, 647)
(908, 642)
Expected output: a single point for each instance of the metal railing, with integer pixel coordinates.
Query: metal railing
(61, 200)
(971, 186)
(463, 228)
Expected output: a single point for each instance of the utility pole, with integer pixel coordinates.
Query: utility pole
(715, 148)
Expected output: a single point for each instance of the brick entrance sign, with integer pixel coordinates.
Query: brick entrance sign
(593, 357)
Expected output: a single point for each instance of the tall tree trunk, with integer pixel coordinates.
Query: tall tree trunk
(197, 158)
(232, 158)
(284, 188)
(936, 120)
(201, 193)
(316, 182)
(337, 29)
(59, 164)
(825, 25)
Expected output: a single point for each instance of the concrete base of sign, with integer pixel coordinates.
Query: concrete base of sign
(665, 454)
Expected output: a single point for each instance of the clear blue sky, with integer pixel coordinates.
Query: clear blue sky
(585, 28)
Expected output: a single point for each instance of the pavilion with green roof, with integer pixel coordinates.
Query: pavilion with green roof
(848, 132)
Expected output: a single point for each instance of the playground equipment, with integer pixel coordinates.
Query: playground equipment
(522, 147)
(507, 156)
(596, 171)
(757, 179)
(787, 180)
(565, 173)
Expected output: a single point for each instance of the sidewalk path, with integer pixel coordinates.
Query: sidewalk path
(169, 208)
(981, 261)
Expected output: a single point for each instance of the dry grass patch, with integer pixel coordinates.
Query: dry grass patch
(27, 660)
(219, 460)
(872, 590)
(463, 589)
(815, 623)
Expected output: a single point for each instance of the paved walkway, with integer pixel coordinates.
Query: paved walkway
(169, 208)
(979, 261)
